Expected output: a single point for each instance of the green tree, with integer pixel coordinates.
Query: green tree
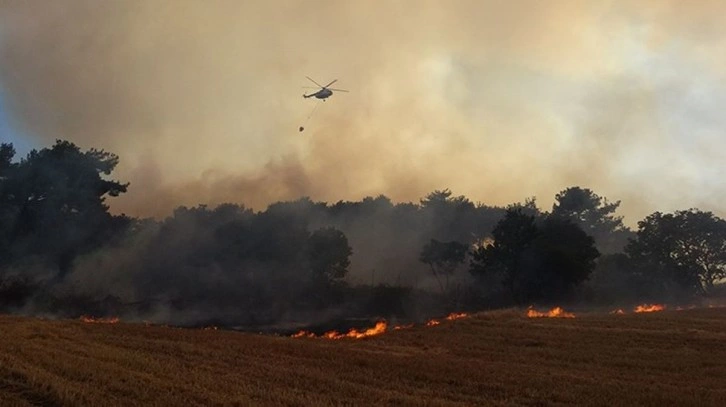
(685, 250)
(595, 215)
(536, 261)
(328, 256)
(449, 217)
(7, 211)
(616, 281)
(529, 207)
(565, 257)
(7, 153)
(57, 200)
(504, 255)
(441, 199)
(443, 258)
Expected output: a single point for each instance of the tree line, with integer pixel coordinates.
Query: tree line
(62, 251)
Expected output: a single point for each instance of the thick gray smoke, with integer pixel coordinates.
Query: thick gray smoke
(495, 100)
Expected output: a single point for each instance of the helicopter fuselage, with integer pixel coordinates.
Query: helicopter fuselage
(321, 94)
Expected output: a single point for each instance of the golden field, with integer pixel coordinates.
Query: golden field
(496, 358)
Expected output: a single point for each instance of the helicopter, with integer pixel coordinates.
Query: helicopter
(324, 92)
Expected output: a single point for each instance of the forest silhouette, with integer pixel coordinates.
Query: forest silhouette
(63, 253)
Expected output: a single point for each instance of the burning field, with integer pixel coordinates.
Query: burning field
(381, 327)
(497, 358)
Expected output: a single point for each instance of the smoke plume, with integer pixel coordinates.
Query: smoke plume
(495, 100)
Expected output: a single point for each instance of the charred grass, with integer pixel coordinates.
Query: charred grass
(498, 358)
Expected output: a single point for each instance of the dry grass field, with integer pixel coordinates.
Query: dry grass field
(499, 358)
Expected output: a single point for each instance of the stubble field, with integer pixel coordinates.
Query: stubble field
(496, 358)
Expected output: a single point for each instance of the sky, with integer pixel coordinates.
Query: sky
(497, 101)
(8, 134)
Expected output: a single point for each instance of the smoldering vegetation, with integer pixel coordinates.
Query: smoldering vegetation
(306, 263)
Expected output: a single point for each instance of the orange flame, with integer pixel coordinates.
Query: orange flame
(380, 328)
(455, 315)
(618, 312)
(556, 312)
(376, 330)
(649, 308)
(304, 334)
(92, 320)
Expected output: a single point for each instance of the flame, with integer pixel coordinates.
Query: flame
(556, 312)
(450, 317)
(649, 308)
(380, 328)
(210, 328)
(304, 334)
(93, 320)
(376, 330)
(455, 315)
(618, 312)
(333, 335)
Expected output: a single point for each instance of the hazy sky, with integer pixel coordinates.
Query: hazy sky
(495, 100)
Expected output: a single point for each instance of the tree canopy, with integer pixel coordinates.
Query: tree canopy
(53, 203)
(685, 249)
(595, 215)
(328, 255)
(443, 258)
(62, 250)
(537, 261)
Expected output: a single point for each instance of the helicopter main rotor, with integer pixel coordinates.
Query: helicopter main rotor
(324, 87)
